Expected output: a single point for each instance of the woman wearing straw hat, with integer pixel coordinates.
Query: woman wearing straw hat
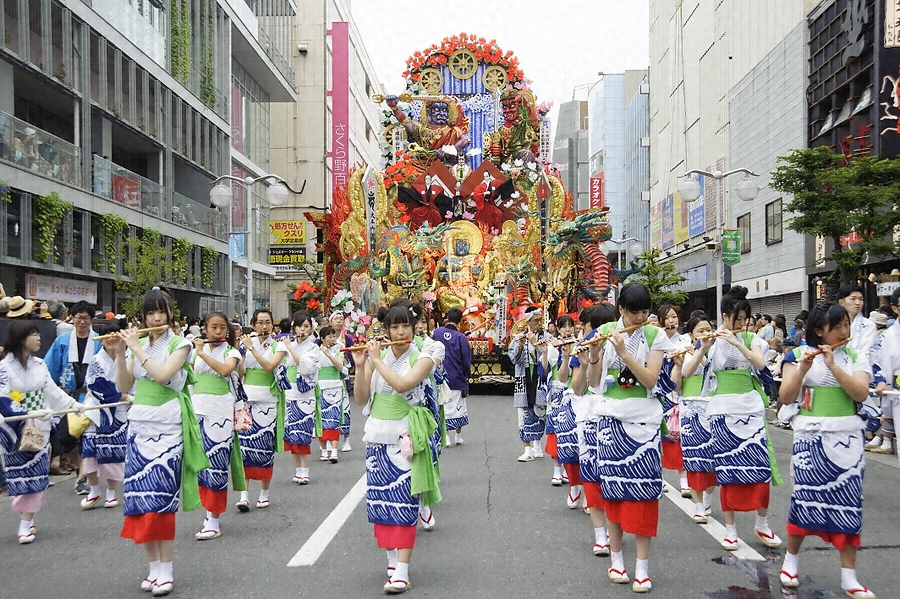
(19, 307)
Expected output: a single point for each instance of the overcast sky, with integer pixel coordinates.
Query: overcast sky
(560, 43)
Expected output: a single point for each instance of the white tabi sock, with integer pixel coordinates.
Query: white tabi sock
(392, 556)
(263, 494)
(25, 527)
(684, 483)
(245, 496)
(529, 451)
(110, 494)
(165, 572)
(699, 509)
(791, 563)
(731, 531)
(401, 572)
(557, 472)
(707, 499)
(154, 570)
(95, 491)
(304, 472)
(641, 569)
(617, 561)
(212, 524)
(762, 524)
(600, 537)
(298, 471)
(848, 579)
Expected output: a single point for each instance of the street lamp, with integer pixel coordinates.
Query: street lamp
(747, 189)
(635, 249)
(221, 196)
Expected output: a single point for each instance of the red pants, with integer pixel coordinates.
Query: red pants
(573, 471)
(550, 445)
(744, 498)
(701, 481)
(593, 496)
(214, 501)
(636, 517)
(297, 449)
(147, 528)
(838, 539)
(392, 536)
(330, 434)
(671, 456)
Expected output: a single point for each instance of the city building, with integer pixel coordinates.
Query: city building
(637, 156)
(727, 92)
(115, 118)
(333, 127)
(570, 150)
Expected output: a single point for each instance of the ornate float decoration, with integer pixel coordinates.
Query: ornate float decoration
(467, 211)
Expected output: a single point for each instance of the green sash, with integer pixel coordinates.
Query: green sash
(690, 387)
(211, 384)
(257, 377)
(830, 402)
(424, 478)
(238, 478)
(619, 392)
(151, 393)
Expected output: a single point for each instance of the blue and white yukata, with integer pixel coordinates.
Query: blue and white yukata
(737, 416)
(529, 377)
(156, 470)
(300, 399)
(390, 504)
(266, 404)
(333, 399)
(103, 441)
(214, 405)
(828, 460)
(28, 473)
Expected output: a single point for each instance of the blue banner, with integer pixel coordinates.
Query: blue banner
(236, 247)
(697, 211)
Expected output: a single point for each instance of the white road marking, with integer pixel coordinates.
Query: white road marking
(715, 530)
(319, 541)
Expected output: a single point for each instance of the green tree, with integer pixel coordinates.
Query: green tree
(833, 198)
(144, 265)
(660, 279)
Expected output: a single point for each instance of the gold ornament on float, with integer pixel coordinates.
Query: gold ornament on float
(463, 64)
(493, 78)
(430, 80)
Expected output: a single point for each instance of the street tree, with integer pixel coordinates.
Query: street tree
(849, 202)
(661, 279)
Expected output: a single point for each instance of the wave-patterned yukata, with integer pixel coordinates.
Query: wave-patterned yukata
(696, 436)
(103, 441)
(628, 436)
(154, 450)
(214, 405)
(28, 473)
(333, 394)
(737, 418)
(828, 460)
(529, 392)
(390, 505)
(300, 399)
(258, 444)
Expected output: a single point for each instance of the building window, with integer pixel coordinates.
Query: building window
(743, 224)
(773, 222)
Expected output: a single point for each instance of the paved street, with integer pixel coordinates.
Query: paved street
(502, 531)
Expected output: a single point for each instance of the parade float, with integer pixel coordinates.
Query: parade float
(467, 212)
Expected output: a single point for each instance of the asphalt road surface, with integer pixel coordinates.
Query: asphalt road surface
(501, 531)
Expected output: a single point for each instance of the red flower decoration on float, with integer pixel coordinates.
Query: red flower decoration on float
(485, 51)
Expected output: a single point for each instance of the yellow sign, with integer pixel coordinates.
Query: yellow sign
(287, 232)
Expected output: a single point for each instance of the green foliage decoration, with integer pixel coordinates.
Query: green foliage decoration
(208, 258)
(5, 196)
(143, 268)
(50, 210)
(180, 250)
(180, 49)
(113, 228)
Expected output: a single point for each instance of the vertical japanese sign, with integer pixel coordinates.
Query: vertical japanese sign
(597, 191)
(340, 103)
(668, 221)
(696, 211)
(887, 81)
(680, 218)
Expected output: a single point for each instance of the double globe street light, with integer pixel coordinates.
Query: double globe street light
(747, 189)
(221, 195)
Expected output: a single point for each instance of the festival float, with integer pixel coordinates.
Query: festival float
(467, 212)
